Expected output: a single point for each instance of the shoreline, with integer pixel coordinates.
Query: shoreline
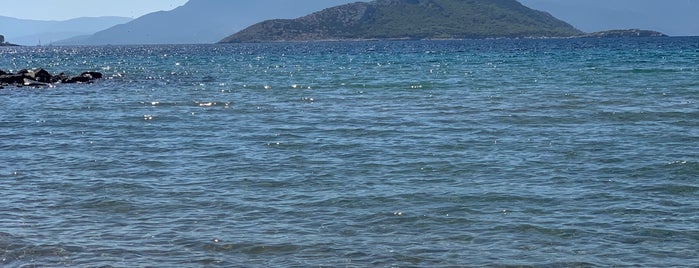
(595, 35)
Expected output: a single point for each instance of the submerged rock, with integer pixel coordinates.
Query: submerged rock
(77, 79)
(93, 75)
(40, 78)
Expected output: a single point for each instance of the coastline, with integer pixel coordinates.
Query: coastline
(617, 33)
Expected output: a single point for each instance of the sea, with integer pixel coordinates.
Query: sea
(460, 153)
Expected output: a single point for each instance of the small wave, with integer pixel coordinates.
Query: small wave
(684, 167)
(15, 251)
(108, 205)
(653, 71)
(677, 163)
(203, 104)
(673, 189)
(207, 104)
(158, 103)
(216, 244)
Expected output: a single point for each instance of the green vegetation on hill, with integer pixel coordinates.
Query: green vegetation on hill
(411, 19)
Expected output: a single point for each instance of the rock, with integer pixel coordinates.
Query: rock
(40, 75)
(41, 78)
(58, 78)
(76, 79)
(12, 79)
(2, 72)
(92, 75)
(84, 77)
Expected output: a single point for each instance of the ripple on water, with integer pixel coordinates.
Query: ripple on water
(401, 154)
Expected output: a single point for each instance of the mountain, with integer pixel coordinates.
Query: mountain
(411, 19)
(202, 21)
(675, 18)
(34, 32)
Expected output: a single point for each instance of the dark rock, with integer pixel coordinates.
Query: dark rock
(12, 79)
(76, 79)
(58, 78)
(84, 77)
(40, 75)
(2, 72)
(92, 75)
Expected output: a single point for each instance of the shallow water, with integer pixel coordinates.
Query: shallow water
(557, 153)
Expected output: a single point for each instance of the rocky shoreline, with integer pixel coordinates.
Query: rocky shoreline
(42, 78)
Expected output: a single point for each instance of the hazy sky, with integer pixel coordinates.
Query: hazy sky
(69, 9)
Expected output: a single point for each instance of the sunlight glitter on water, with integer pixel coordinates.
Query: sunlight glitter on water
(403, 154)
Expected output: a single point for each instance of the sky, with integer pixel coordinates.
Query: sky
(70, 9)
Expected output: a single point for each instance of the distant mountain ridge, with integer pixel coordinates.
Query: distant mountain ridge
(411, 19)
(34, 32)
(201, 21)
(210, 21)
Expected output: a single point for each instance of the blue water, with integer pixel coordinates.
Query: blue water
(553, 153)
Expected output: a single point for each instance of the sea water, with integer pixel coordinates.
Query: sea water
(554, 153)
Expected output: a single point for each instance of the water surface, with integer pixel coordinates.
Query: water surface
(555, 153)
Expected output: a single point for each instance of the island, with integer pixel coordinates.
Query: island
(625, 33)
(411, 19)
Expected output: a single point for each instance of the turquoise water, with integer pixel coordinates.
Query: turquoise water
(553, 153)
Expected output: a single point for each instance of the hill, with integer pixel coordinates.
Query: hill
(34, 32)
(411, 19)
(201, 21)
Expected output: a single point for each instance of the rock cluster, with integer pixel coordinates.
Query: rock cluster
(41, 77)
